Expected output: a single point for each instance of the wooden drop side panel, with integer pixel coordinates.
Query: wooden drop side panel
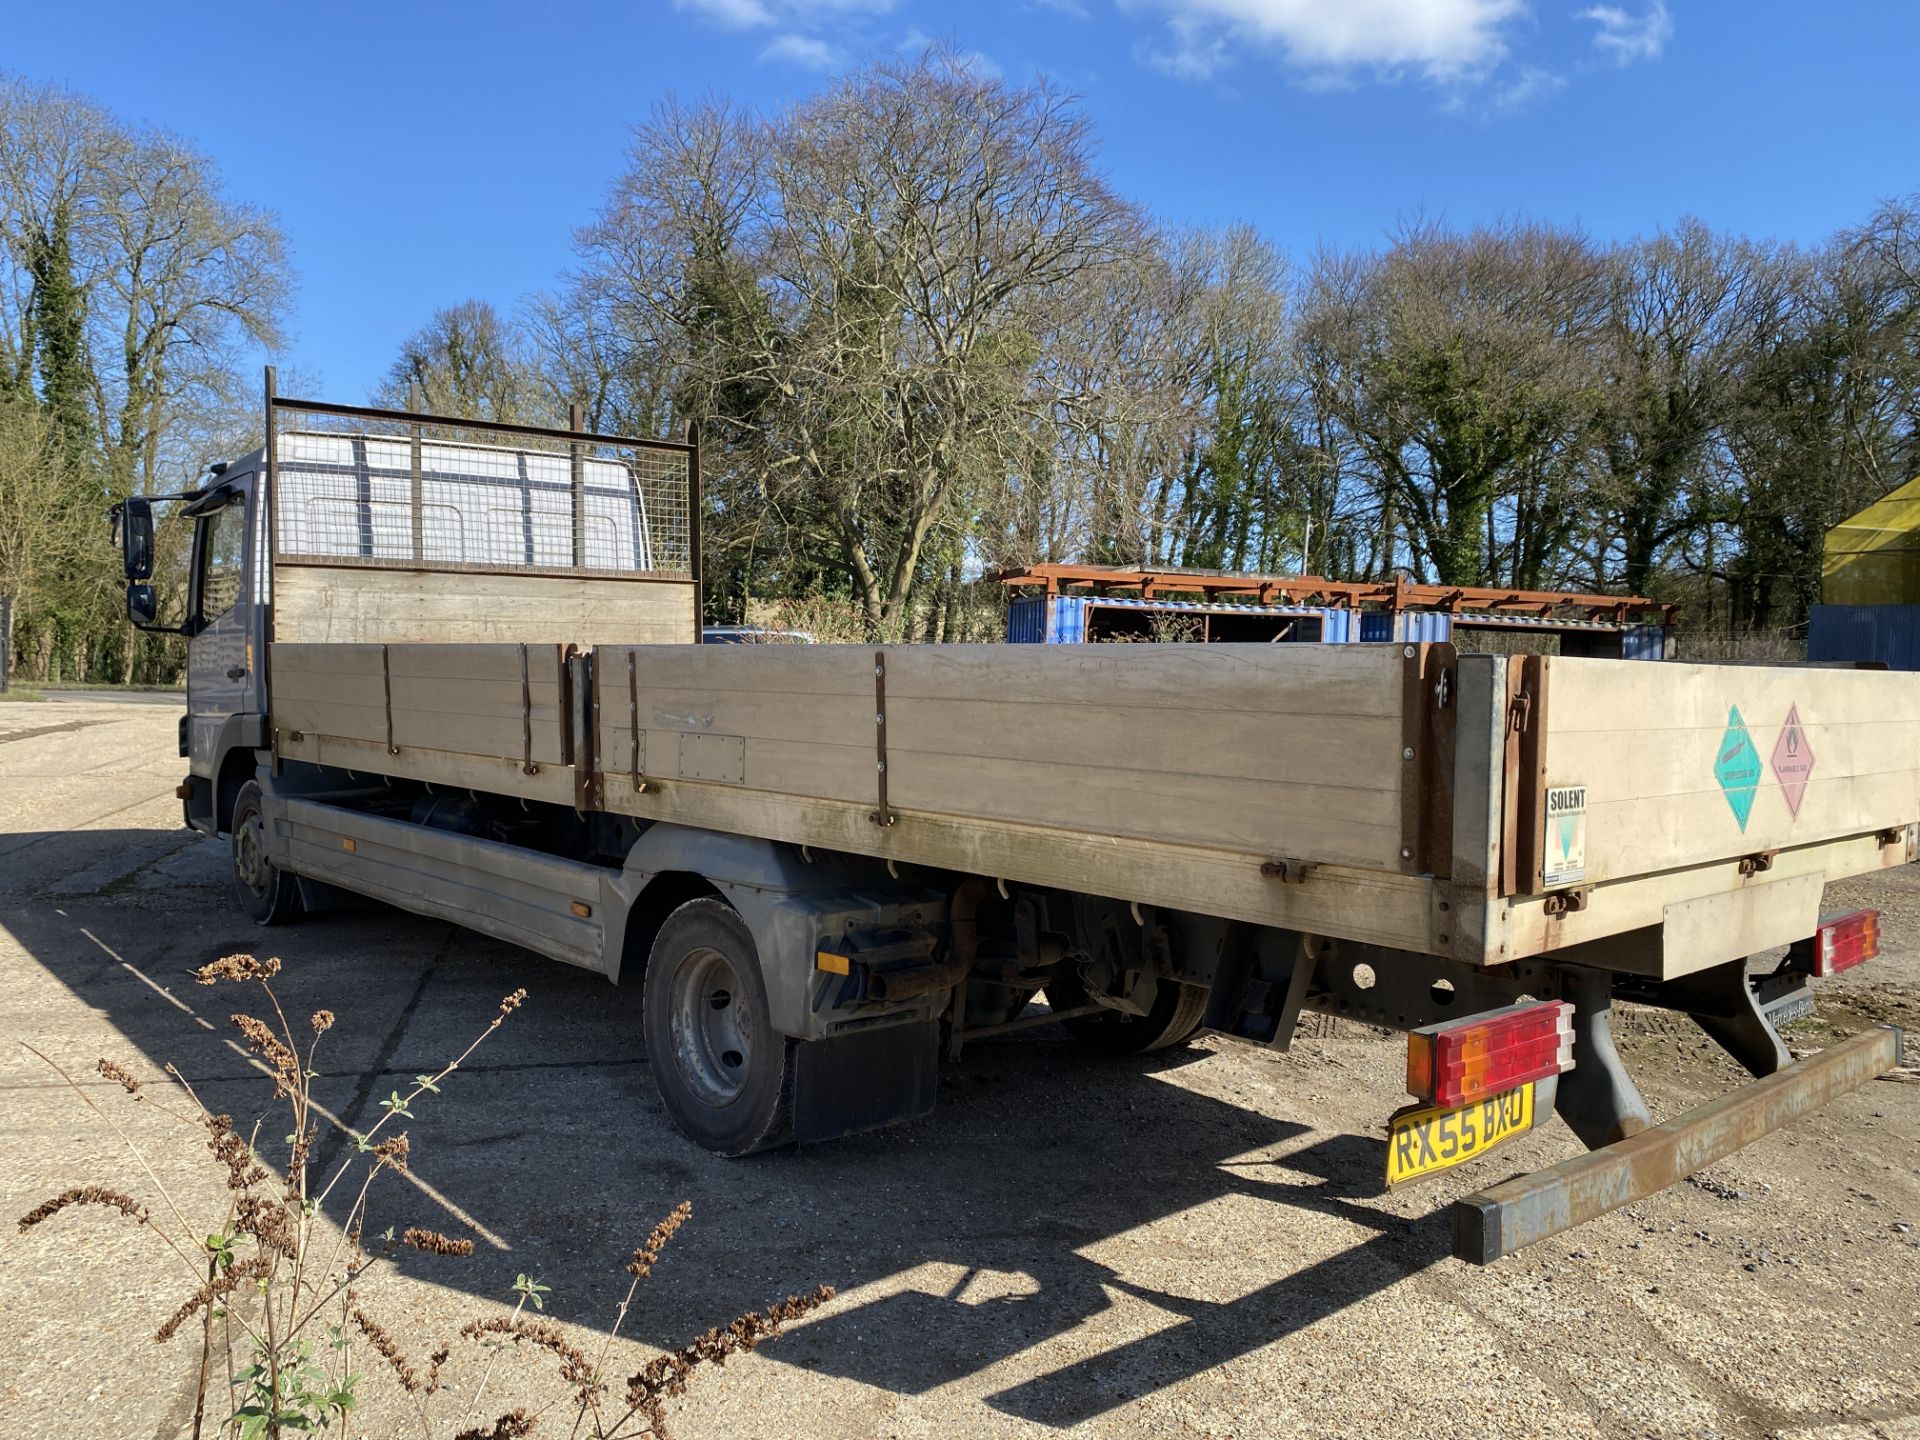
(1269, 751)
(1687, 765)
(342, 604)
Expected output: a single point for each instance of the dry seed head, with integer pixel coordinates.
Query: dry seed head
(322, 1021)
(512, 1002)
(272, 1049)
(393, 1152)
(668, 1375)
(120, 1075)
(575, 1368)
(84, 1195)
(645, 1257)
(510, 1426)
(434, 1243)
(297, 1160)
(383, 1343)
(268, 1221)
(231, 1151)
(237, 967)
(214, 1291)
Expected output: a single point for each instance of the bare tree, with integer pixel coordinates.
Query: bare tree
(470, 361)
(1450, 359)
(1685, 311)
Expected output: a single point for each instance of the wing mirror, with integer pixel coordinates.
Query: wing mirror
(143, 607)
(133, 527)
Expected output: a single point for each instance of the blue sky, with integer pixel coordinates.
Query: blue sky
(420, 153)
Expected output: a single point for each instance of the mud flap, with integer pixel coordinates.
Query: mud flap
(845, 1084)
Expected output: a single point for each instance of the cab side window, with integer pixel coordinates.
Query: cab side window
(221, 560)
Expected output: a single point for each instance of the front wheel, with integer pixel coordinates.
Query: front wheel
(723, 1072)
(269, 895)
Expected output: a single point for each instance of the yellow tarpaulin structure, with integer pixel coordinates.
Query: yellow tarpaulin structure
(1873, 558)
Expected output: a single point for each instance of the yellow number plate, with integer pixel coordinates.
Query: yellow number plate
(1427, 1141)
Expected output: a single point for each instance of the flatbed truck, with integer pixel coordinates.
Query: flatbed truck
(456, 667)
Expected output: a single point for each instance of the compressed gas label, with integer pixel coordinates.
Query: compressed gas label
(1566, 857)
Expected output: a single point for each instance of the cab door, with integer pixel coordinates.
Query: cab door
(220, 673)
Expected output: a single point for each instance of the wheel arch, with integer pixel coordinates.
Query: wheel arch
(659, 896)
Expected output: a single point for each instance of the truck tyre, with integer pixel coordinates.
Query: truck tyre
(269, 895)
(1173, 1019)
(723, 1072)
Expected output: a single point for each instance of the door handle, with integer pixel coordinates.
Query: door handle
(238, 672)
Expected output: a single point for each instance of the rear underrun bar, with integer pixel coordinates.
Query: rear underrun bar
(1514, 1214)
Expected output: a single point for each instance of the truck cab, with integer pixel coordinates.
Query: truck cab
(225, 628)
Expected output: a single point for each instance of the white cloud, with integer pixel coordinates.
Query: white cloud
(804, 50)
(1531, 83)
(816, 34)
(734, 14)
(1446, 40)
(1626, 37)
(759, 14)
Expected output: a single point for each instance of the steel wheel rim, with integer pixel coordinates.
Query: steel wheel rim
(712, 1034)
(250, 854)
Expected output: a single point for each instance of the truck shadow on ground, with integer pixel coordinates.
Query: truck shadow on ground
(998, 1227)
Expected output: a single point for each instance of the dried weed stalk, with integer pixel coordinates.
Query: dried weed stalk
(276, 1285)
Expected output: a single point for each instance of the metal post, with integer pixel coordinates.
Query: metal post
(577, 420)
(269, 484)
(416, 493)
(693, 531)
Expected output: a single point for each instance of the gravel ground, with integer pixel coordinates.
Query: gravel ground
(1194, 1244)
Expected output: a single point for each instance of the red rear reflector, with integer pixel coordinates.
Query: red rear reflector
(1462, 1061)
(1844, 941)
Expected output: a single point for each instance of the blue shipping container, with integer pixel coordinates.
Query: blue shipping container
(1063, 619)
(1887, 633)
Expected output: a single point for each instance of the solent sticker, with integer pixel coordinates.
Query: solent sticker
(1565, 862)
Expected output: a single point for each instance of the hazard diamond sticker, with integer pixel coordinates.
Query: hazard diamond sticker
(1793, 760)
(1738, 767)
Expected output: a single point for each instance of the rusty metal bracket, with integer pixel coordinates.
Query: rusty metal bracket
(1756, 863)
(1427, 726)
(884, 816)
(386, 691)
(526, 717)
(634, 766)
(1567, 902)
(1895, 836)
(1287, 872)
(1524, 777)
(581, 679)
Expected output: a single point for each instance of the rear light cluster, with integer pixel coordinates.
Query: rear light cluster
(1844, 941)
(1467, 1060)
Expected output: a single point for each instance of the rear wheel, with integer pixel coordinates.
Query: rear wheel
(723, 1072)
(269, 895)
(1172, 1019)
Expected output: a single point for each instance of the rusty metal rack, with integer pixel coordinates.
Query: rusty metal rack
(1395, 597)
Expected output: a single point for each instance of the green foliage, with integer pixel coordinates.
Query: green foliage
(292, 1394)
(59, 328)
